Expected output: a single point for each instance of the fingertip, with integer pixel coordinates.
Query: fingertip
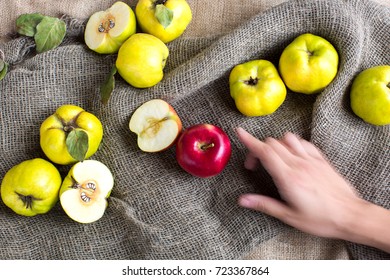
(264, 204)
(250, 141)
(239, 129)
(289, 134)
(247, 201)
(241, 133)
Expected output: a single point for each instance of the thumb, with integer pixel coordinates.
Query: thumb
(265, 204)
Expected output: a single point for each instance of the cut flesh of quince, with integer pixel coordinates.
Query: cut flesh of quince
(107, 30)
(85, 190)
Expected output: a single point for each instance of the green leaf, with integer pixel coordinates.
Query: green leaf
(3, 69)
(26, 24)
(164, 15)
(50, 33)
(77, 144)
(108, 86)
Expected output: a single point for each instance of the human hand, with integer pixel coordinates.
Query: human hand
(315, 197)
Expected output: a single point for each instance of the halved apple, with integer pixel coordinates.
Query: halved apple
(107, 30)
(84, 191)
(157, 125)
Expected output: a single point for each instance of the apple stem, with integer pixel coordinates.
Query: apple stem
(251, 81)
(207, 146)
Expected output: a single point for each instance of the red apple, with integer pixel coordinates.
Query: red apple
(156, 124)
(203, 150)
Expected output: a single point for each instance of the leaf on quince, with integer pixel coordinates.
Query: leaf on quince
(3, 69)
(164, 15)
(50, 33)
(108, 86)
(77, 144)
(26, 24)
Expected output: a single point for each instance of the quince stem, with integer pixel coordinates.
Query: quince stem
(160, 2)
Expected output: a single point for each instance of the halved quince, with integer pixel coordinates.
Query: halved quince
(84, 191)
(107, 30)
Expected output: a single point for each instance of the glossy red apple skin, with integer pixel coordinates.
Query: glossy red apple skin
(203, 150)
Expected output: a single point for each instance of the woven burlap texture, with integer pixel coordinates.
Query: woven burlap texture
(156, 210)
(209, 17)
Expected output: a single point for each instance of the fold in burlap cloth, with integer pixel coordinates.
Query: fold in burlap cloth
(156, 210)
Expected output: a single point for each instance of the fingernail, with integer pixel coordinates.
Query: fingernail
(239, 130)
(245, 201)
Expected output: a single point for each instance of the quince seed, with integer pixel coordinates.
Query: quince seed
(84, 197)
(112, 24)
(91, 185)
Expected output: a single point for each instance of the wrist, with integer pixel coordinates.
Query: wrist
(367, 224)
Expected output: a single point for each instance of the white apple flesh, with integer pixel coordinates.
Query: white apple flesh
(156, 124)
(85, 190)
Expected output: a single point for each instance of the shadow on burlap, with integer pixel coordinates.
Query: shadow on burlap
(156, 210)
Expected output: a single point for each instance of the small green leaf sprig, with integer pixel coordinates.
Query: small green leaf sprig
(3, 66)
(77, 144)
(164, 15)
(48, 32)
(108, 86)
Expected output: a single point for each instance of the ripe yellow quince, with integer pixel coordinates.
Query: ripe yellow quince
(31, 187)
(370, 95)
(165, 19)
(257, 88)
(71, 134)
(308, 64)
(141, 60)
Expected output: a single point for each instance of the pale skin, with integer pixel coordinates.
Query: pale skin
(315, 198)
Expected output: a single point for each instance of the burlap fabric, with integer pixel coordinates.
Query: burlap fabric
(210, 18)
(156, 210)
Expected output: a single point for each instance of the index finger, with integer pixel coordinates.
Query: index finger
(265, 153)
